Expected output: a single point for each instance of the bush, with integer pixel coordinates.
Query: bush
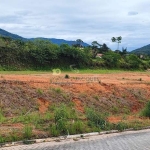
(61, 116)
(66, 76)
(27, 132)
(121, 126)
(146, 110)
(2, 140)
(2, 118)
(95, 118)
(61, 113)
(53, 131)
(76, 127)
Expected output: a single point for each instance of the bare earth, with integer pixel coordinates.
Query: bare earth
(129, 91)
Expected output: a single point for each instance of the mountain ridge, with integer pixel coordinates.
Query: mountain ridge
(142, 50)
(53, 40)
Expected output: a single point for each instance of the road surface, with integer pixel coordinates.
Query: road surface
(133, 140)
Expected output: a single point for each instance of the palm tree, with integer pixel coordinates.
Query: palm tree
(117, 39)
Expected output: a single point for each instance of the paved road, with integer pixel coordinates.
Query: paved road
(139, 140)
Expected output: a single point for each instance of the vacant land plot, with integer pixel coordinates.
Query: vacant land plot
(120, 95)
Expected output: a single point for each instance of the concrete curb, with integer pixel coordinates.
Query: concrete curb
(60, 138)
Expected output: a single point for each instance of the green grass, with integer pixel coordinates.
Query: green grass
(25, 72)
(81, 71)
(105, 71)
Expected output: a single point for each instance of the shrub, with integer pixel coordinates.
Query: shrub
(61, 115)
(146, 110)
(40, 91)
(95, 118)
(121, 126)
(61, 125)
(2, 118)
(67, 76)
(57, 90)
(2, 140)
(53, 131)
(27, 132)
(76, 127)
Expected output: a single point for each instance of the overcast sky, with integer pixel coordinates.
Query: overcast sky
(89, 20)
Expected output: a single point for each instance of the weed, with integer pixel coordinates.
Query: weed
(126, 110)
(79, 126)
(40, 91)
(2, 118)
(47, 116)
(53, 130)
(96, 97)
(146, 111)
(65, 96)
(121, 126)
(57, 90)
(14, 136)
(52, 107)
(95, 118)
(115, 109)
(27, 132)
(76, 127)
(2, 140)
(60, 113)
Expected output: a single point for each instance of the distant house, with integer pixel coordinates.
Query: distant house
(99, 55)
(141, 56)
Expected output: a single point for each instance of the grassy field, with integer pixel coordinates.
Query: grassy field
(82, 71)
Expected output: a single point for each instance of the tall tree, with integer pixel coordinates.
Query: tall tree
(104, 48)
(96, 44)
(117, 39)
(79, 43)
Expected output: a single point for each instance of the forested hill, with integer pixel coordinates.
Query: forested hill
(8, 34)
(59, 41)
(142, 50)
(53, 40)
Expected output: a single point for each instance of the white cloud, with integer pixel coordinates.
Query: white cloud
(86, 19)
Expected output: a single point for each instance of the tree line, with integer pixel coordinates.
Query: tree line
(43, 55)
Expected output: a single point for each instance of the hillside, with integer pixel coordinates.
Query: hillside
(48, 105)
(142, 50)
(53, 40)
(8, 34)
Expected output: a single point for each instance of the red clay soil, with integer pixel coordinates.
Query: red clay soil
(103, 90)
(78, 105)
(128, 85)
(43, 105)
(116, 119)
